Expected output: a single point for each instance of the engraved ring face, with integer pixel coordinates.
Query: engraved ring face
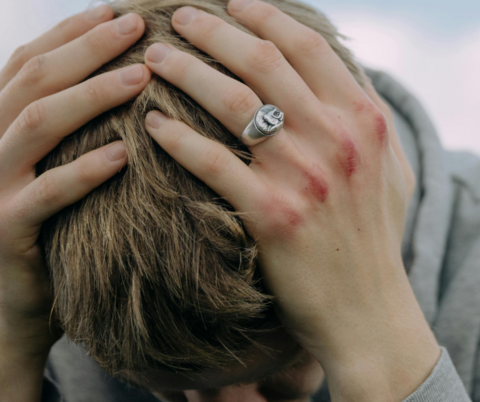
(269, 119)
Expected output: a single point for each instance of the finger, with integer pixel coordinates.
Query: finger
(65, 185)
(66, 31)
(44, 123)
(257, 62)
(231, 102)
(306, 50)
(209, 161)
(68, 65)
(394, 139)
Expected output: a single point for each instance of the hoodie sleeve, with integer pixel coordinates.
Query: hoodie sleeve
(442, 385)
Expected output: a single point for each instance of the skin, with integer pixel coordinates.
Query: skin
(326, 197)
(41, 102)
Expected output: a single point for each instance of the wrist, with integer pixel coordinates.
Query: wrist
(385, 357)
(21, 375)
(28, 337)
(388, 378)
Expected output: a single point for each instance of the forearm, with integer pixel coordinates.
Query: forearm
(384, 359)
(382, 378)
(24, 348)
(21, 377)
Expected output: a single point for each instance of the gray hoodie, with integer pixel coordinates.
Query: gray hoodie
(441, 253)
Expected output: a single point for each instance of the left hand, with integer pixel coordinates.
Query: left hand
(326, 196)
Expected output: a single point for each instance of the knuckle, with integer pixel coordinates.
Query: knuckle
(83, 176)
(94, 41)
(311, 42)
(266, 11)
(63, 28)
(240, 101)
(177, 65)
(336, 131)
(48, 190)
(67, 28)
(175, 144)
(19, 57)
(214, 160)
(264, 58)
(282, 216)
(384, 108)
(209, 26)
(33, 117)
(349, 155)
(33, 71)
(380, 126)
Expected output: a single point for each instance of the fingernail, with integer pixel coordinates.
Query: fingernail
(185, 15)
(116, 151)
(126, 24)
(239, 5)
(96, 13)
(157, 52)
(155, 119)
(132, 75)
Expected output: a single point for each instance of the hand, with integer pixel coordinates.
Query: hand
(326, 197)
(41, 103)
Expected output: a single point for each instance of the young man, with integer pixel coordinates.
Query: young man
(328, 191)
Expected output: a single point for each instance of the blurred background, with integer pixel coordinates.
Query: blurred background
(431, 46)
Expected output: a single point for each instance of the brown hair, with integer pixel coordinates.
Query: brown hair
(153, 269)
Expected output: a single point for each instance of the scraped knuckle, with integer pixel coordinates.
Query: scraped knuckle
(33, 71)
(241, 101)
(214, 160)
(282, 216)
(33, 117)
(264, 58)
(380, 126)
(379, 117)
(311, 42)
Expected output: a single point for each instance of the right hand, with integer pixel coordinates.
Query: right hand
(41, 102)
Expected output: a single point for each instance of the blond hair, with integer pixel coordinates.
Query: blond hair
(153, 269)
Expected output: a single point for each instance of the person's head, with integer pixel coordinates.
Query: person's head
(154, 273)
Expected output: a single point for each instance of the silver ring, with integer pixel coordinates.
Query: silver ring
(267, 122)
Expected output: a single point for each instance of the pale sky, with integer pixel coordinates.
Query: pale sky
(432, 47)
